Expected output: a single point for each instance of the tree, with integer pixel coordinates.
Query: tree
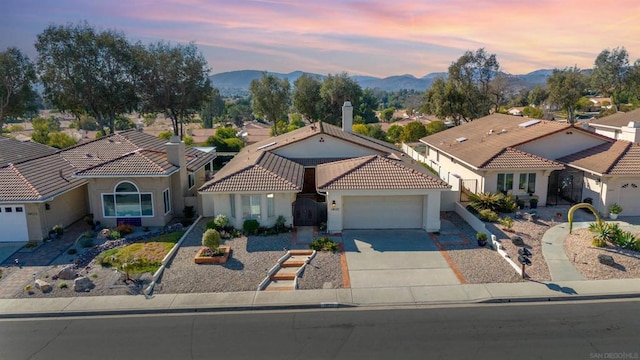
(387, 114)
(17, 74)
(367, 107)
(360, 129)
(566, 88)
(270, 99)
(43, 128)
(394, 133)
(375, 131)
(61, 140)
(85, 71)
(445, 101)
(226, 132)
(538, 95)
(306, 96)
(212, 108)
(435, 127)
(175, 82)
(335, 90)
(610, 73)
(413, 131)
(532, 112)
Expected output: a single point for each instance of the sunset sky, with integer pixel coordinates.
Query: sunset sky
(378, 38)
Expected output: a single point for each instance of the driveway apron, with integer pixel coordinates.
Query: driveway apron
(395, 258)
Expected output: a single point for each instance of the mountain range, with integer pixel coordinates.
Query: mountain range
(237, 82)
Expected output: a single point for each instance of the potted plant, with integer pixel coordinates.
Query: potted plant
(533, 203)
(211, 251)
(614, 211)
(482, 239)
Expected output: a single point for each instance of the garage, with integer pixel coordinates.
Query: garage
(383, 212)
(13, 222)
(630, 199)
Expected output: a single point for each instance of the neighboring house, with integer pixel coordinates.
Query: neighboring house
(621, 125)
(599, 103)
(321, 173)
(556, 162)
(129, 177)
(516, 111)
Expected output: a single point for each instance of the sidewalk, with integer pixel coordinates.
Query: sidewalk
(333, 298)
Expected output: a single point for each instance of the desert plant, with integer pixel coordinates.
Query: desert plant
(221, 221)
(211, 239)
(481, 238)
(486, 200)
(280, 223)
(86, 242)
(597, 242)
(58, 229)
(604, 231)
(31, 244)
(615, 209)
(488, 215)
(63, 285)
(626, 240)
(533, 203)
(125, 229)
(251, 226)
(211, 224)
(115, 235)
(324, 244)
(508, 205)
(507, 222)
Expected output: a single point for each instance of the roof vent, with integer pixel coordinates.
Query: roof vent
(503, 131)
(529, 123)
(266, 145)
(88, 155)
(490, 132)
(461, 139)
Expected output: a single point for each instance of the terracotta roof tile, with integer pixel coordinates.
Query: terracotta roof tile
(479, 141)
(374, 173)
(511, 158)
(138, 163)
(613, 158)
(13, 151)
(618, 119)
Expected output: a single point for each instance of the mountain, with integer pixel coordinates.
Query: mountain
(237, 82)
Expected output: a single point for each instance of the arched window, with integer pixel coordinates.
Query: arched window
(127, 200)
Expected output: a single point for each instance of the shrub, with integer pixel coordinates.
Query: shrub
(211, 224)
(324, 244)
(58, 229)
(188, 212)
(481, 236)
(63, 285)
(615, 209)
(597, 242)
(508, 205)
(115, 235)
(626, 240)
(72, 251)
(211, 239)
(488, 215)
(607, 232)
(486, 200)
(280, 223)
(221, 221)
(251, 226)
(86, 242)
(507, 222)
(31, 244)
(125, 229)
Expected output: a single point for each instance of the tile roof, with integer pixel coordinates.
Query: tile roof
(511, 158)
(618, 157)
(12, 150)
(618, 119)
(312, 162)
(375, 173)
(263, 171)
(128, 153)
(479, 141)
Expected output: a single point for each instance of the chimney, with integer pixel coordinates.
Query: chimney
(631, 132)
(347, 117)
(179, 182)
(176, 152)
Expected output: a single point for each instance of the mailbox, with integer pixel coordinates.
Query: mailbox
(524, 260)
(524, 252)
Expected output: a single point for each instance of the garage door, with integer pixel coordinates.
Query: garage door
(13, 222)
(382, 212)
(630, 198)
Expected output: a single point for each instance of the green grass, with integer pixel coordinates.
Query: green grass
(143, 256)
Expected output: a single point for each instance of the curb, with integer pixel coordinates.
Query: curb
(559, 298)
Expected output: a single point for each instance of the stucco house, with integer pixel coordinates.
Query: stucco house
(621, 125)
(129, 177)
(324, 174)
(556, 162)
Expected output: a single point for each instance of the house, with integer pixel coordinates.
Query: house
(515, 111)
(321, 173)
(554, 161)
(621, 125)
(127, 177)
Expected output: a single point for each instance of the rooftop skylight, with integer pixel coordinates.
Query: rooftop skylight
(529, 123)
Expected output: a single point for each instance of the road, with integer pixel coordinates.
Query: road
(568, 330)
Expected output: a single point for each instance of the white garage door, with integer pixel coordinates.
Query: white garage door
(13, 222)
(630, 198)
(382, 212)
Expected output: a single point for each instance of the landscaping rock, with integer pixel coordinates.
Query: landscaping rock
(67, 273)
(83, 284)
(104, 234)
(517, 240)
(146, 278)
(606, 259)
(44, 286)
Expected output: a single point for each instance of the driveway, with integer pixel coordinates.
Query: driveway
(394, 258)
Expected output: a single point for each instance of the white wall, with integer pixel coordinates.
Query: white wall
(542, 183)
(561, 144)
(608, 132)
(330, 147)
(448, 169)
(214, 204)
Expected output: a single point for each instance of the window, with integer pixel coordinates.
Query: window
(232, 203)
(8, 209)
(251, 207)
(18, 209)
(505, 183)
(527, 183)
(271, 205)
(127, 201)
(167, 201)
(191, 178)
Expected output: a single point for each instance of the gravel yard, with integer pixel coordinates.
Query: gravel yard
(322, 272)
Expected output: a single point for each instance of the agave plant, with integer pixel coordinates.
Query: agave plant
(627, 240)
(486, 200)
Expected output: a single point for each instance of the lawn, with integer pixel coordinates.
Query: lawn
(140, 257)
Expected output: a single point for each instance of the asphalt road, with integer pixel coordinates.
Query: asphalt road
(570, 330)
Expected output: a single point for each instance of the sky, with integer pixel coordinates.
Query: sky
(378, 38)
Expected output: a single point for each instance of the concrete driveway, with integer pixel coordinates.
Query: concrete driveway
(394, 258)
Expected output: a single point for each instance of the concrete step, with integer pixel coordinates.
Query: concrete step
(279, 285)
(300, 252)
(285, 273)
(295, 260)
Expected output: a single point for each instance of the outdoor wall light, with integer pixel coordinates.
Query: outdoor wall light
(47, 206)
(333, 204)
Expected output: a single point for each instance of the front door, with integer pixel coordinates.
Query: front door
(305, 212)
